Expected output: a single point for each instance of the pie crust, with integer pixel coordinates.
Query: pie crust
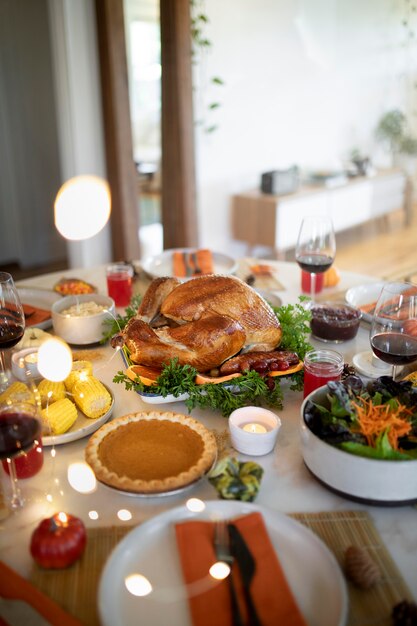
(151, 452)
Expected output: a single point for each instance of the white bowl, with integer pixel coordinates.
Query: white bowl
(83, 329)
(253, 443)
(371, 481)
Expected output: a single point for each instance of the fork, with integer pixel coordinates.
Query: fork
(223, 553)
(197, 269)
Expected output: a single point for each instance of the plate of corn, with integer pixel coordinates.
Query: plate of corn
(71, 409)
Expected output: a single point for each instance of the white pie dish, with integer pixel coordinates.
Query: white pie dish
(82, 329)
(372, 481)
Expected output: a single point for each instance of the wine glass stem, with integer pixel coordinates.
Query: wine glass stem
(313, 286)
(394, 372)
(16, 501)
(4, 379)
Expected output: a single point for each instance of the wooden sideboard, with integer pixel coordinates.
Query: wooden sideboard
(261, 219)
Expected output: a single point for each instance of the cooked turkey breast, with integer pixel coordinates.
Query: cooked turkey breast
(204, 344)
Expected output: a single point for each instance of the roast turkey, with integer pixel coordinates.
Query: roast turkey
(201, 322)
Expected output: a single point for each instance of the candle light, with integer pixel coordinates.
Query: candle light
(62, 518)
(253, 427)
(25, 363)
(55, 360)
(254, 430)
(32, 357)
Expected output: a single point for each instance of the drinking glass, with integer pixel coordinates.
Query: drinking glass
(316, 247)
(120, 283)
(321, 367)
(20, 435)
(393, 334)
(12, 324)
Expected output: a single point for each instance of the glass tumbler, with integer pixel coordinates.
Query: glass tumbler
(120, 283)
(320, 367)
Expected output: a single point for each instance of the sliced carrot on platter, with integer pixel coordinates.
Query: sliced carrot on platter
(290, 370)
(201, 379)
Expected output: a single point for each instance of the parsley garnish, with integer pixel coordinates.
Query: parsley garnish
(117, 324)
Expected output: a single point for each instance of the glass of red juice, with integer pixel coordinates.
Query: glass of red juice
(120, 283)
(320, 367)
(306, 282)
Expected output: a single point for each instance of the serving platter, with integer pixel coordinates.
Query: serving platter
(41, 298)
(150, 550)
(161, 264)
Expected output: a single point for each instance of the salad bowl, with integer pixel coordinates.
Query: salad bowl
(375, 481)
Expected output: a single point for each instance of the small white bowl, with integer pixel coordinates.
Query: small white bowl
(253, 443)
(372, 481)
(82, 329)
(25, 361)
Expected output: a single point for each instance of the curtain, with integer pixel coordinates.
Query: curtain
(121, 171)
(178, 171)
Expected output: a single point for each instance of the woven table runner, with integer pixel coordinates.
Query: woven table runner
(75, 589)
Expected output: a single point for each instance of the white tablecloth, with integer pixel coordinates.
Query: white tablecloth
(287, 485)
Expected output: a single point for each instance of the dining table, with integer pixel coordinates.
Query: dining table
(287, 486)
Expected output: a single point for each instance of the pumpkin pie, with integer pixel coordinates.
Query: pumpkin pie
(151, 452)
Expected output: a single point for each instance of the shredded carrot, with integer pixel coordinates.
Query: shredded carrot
(374, 419)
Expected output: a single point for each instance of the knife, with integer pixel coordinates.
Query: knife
(247, 567)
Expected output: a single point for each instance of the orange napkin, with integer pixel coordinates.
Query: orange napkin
(370, 308)
(33, 315)
(192, 263)
(261, 269)
(14, 587)
(273, 599)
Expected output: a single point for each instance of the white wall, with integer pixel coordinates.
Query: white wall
(305, 82)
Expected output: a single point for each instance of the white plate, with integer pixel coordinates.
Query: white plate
(150, 549)
(41, 298)
(82, 427)
(152, 398)
(364, 294)
(161, 265)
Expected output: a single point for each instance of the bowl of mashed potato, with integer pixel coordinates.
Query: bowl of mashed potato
(81, 319)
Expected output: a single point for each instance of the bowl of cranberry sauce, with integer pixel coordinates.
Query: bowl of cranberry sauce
(334, 322)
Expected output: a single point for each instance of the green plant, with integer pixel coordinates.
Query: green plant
(200, 44)
(392, 128)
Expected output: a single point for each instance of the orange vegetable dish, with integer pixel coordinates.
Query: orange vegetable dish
(374, 419)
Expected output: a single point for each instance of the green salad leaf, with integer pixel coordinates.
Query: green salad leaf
(337, 421)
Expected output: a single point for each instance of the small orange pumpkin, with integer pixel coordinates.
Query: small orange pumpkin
(331, 277)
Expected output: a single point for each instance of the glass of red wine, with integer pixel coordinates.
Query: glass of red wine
(393, 333)
(12, 324)
(20, 432)
(316, 247)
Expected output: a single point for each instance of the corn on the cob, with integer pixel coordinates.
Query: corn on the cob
(17, 392)
(80, 371)
(92, 397)
(51, 392)
(59, 416)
